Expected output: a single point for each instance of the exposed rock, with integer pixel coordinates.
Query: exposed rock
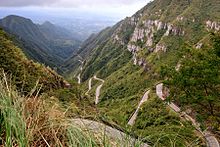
(160, 47)
(162, 92)
(132, 21)
(65, 84)
(160, 26)
(133, 48)
(199, 45)
(138, 35)
(141, 62)
(178, 66)
(180, 18)
(135, 60)
(149, 41)
(212, 25)
(151, 50)
(171, 29)
(159, 91)
(116, 37)
(145, 34)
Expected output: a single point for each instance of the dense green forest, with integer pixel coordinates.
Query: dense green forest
(197, 82)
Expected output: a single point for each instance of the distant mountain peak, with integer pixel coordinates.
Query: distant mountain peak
(47, 23)
(17, 18)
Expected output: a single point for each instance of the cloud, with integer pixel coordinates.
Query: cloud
(18, 3)
(68, 3)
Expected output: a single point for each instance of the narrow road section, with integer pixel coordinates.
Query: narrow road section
(211, 140)
(100, 128)
(79, 78)
(161, 94)
(90, 86)
(134, 116)
(95, 77)
(98, 89)
(81, 68)
(97, 93)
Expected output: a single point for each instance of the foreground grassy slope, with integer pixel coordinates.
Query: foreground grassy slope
(41, 121)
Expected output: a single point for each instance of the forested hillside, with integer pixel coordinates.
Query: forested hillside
(166, 42)
(46, 43)
(25, 73)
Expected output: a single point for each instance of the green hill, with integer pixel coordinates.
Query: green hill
(25, 73)
(131, 55)
(46, 43)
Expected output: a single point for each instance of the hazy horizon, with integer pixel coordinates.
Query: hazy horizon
(88, 16)
(114, 10)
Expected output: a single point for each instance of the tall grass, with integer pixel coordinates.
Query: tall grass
(31, 121)
(36, 121)
(12, 125)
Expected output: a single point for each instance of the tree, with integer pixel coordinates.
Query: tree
(197, 82)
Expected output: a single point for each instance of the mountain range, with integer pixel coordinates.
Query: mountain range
(46, 43)
(154, 75)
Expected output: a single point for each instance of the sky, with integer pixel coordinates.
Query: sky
(114, 8)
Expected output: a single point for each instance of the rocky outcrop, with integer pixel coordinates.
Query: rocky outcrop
(162, 92)
(133, 20)
(129, 22)
(117, 39)
(160, 47)
(173, 30)
(180, 18)
(118, 138)
(138, 35)
(133, 48)
(212, 25)
(199, 45)
(178, 66)
(143, 37)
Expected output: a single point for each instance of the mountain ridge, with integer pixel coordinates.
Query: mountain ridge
(49, 45)
(25, 73)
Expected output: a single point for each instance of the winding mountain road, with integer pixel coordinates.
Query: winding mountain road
(90, 86)
(101, 80)
(211, 140)
(79, 78)
(81, 68)
(98, 89)
(134, 116)
(112, 133)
